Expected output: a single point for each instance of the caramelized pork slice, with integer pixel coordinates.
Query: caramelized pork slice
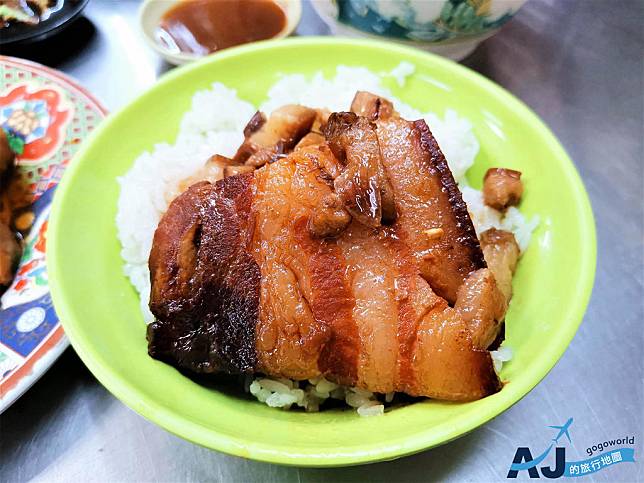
(432, 216)
(501, 254)
(205, 284)
(173, 255)
(362, 185)
(303, 298)
(502, 188)
(268, 140)
(372, 107)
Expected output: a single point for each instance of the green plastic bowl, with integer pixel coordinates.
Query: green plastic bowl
(99, 308)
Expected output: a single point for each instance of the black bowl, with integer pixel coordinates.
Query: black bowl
(19, 33)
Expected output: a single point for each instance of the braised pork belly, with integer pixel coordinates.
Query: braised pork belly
(351, 255)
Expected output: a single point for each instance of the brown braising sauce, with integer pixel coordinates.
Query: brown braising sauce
(205, 26)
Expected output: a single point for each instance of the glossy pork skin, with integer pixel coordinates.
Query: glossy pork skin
(205, 284)
(353, 308)
(428, 200)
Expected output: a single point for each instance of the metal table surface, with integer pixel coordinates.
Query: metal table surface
(579, 65)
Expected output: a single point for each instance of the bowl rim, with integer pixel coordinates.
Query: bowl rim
(167, 419)
(293, 16)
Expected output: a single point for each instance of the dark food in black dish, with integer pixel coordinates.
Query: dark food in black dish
(31, 20)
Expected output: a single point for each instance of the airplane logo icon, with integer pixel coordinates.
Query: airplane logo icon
(562, 430)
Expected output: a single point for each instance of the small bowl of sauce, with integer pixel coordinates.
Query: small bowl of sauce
(186, 30)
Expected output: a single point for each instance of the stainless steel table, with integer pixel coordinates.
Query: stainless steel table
(579, 65)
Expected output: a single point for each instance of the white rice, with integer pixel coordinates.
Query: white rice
(485, 217)
(501, 355)
(215, 124)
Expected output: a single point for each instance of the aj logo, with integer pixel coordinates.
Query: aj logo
(523, 459)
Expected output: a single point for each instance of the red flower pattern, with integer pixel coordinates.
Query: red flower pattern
(58, 119)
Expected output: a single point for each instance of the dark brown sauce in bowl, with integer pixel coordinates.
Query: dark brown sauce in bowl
(205, 26)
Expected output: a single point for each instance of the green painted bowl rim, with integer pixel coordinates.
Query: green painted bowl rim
(191, 431)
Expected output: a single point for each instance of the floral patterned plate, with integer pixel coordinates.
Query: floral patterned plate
(45, 116)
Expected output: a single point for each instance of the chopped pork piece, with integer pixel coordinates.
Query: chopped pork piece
(255, 124)
(9, 254)
(322, 156)
(502, 188)
(6, 154)
(330, 218)
(363, 185)
(268, 140)
(321, 118)
(372, 106)
(235, 170)
(311, 139)
(482, 304)
(501, 254)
